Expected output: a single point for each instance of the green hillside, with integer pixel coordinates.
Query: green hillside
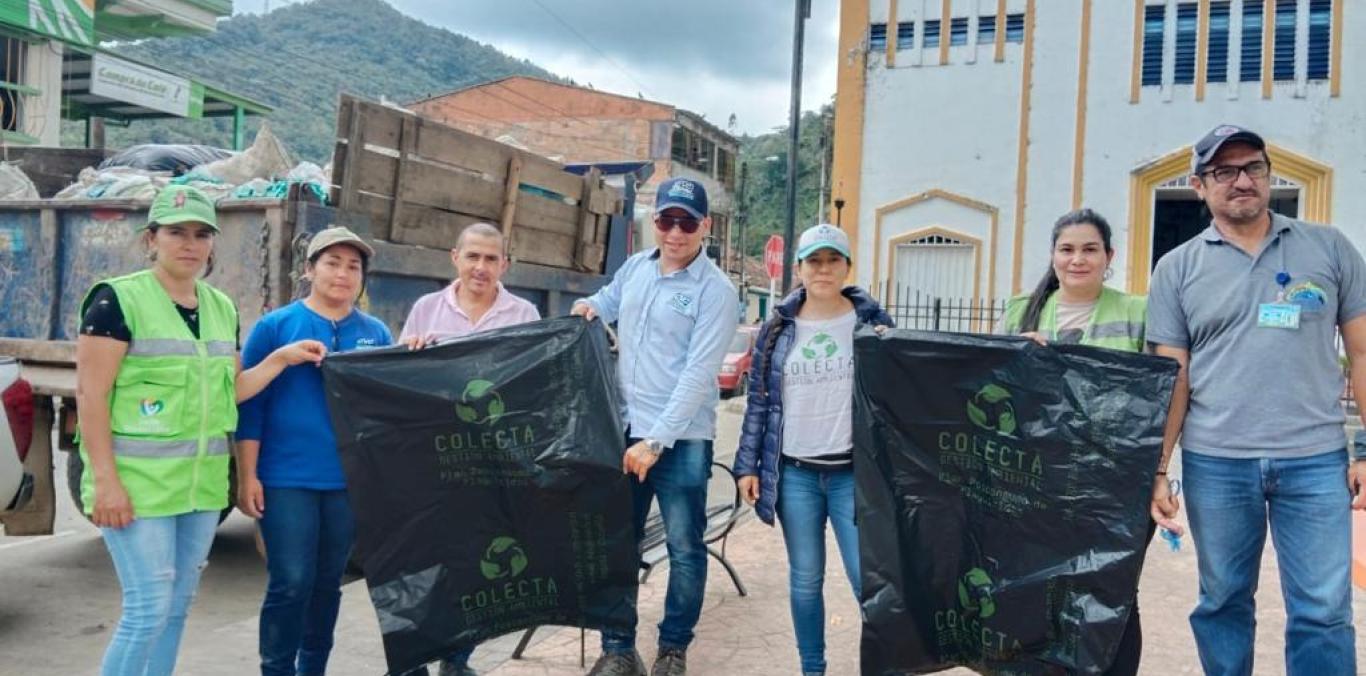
(297, 58)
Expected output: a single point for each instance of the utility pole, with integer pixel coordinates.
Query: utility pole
(820, 189)
(742, 215)
(802, 12)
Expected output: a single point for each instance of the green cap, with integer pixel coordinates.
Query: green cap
(182, 204)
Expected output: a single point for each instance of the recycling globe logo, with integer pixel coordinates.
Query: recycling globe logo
(990, 409)
(502, 559)
(821, 345)
(974, 593)
(480, 404)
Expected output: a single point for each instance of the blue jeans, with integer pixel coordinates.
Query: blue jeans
(1307, 503)
(308, 535)
(158, 561)
(679, 480)
(808, 497)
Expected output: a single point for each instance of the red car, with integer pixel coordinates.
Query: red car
(734, 373)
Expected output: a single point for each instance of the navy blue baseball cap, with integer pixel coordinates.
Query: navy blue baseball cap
(682, 193)
(1208, 146)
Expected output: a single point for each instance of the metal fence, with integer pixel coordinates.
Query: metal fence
(912, 309)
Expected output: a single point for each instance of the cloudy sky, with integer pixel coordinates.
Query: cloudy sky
(715, 57)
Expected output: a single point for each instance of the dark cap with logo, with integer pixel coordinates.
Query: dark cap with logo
(1206, 148)
(682, 193)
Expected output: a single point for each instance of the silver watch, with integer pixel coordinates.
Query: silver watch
(655, 446)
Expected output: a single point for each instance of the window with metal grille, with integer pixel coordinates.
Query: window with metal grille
(1283, 64)
(681, 142)
(986, 29)
(877, 37)
(1250, 59)
(1320, 38)
(1154, 20)
(1187, 25)
(14, 95)
(958, 31)
(932, 33)
(1015, 28)
(905, 35)
(1216, 67)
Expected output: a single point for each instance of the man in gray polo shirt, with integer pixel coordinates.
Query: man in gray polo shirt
(1250, 308)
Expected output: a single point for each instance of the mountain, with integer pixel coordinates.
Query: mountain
(765, 155)
(297, 59)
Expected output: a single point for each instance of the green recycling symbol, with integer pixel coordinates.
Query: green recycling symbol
(974, 593)
(504, 558)
(820, 345)
(990, 409)
(480, 404)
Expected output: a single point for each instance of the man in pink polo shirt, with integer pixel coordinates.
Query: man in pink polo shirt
(476, 300)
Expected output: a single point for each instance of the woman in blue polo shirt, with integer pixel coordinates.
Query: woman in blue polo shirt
(289, 473)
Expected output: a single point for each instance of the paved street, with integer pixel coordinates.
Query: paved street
(59, 600)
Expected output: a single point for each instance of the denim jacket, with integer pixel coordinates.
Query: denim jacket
(761, 435)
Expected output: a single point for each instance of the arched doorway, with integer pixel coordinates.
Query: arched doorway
(1164, 210)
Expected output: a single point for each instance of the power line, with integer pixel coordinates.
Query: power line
(502, 85)
(495, 120)
(592, 46)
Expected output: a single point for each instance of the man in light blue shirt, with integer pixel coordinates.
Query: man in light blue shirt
(676, 313)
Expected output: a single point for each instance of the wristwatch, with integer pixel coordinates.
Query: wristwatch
(1357, 449)
(654, 445)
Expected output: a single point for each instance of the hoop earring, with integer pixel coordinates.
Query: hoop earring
(1109, 272)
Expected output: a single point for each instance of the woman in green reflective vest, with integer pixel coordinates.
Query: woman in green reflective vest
(1072, 305)
(157, 385)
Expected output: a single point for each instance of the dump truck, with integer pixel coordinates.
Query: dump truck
(406, 183)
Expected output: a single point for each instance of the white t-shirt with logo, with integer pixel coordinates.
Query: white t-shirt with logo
(818, 391)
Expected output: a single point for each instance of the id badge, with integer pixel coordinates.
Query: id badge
(1278, 316)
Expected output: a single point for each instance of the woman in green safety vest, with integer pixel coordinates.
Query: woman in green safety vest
(157, 385)
(1073, 305)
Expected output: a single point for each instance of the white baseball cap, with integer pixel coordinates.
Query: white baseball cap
(823, 236)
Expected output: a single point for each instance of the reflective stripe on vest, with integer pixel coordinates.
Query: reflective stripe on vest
(1117, 330)
(1117, 321)
(172, 347)
(128, 447)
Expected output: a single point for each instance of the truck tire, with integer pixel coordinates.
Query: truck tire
(74, 467)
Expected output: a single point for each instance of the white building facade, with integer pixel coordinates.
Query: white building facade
(964, 128)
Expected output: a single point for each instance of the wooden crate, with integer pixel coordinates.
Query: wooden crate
(421, 182)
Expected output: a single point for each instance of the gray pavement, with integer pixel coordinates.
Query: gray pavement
(59, 601)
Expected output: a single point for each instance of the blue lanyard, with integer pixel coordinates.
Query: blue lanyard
(1283, 276)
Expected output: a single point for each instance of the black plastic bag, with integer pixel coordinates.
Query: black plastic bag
(177, 158)
(485, 475)
(1003, 495)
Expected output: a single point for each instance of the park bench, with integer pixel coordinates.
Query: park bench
(725, 509)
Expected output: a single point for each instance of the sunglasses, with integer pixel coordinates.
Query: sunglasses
(687, 224)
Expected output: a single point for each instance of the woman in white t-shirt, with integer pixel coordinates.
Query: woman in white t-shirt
(795, 459)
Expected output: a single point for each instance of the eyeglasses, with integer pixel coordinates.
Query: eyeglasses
(1254, 170)
(687, 224)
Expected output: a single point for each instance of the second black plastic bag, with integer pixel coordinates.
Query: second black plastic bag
(486, 478)
(1002, 497)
